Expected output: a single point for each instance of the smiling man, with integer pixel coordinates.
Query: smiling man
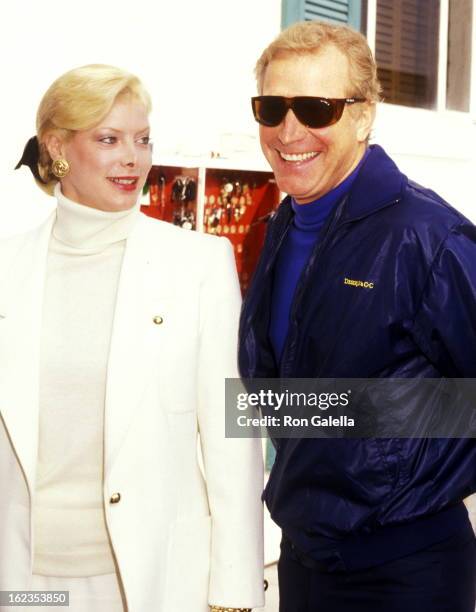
(364, 274)
(308, 163)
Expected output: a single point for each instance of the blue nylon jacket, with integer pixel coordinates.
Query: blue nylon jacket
(418, 320)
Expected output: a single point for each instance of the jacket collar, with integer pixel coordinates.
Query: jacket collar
(378, 184)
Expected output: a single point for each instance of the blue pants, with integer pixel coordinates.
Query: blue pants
(441, 578)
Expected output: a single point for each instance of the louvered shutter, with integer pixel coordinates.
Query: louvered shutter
(458, 87)
(329, 10)
(406, 50)
(335, 11)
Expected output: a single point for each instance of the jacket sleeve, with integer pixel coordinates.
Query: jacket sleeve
(233, 467)
(445, 322)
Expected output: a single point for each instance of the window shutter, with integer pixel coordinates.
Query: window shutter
(336, 11)
(407, 51)
(328, 10)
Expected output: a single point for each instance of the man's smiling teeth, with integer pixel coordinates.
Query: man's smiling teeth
(296, 157)
(123, 181)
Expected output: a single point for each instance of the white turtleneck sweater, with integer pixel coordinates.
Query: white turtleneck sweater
(84, 261)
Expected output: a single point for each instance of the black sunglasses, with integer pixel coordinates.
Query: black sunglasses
(311, 111)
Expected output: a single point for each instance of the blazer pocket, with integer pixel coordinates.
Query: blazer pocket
(182, 422)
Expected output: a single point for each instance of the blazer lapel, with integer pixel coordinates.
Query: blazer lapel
(21, 298)
(144, 288)
(144, 281)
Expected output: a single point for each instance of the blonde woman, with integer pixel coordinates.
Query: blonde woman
(116, 335)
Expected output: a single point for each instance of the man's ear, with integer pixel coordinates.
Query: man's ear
(365, 121)
(54, 145)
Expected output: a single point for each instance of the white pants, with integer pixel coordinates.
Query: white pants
(89, 594)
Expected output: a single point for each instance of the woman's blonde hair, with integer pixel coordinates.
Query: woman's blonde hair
(306, 37)
(79, 100)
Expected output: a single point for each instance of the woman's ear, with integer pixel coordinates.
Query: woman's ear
(54, 146)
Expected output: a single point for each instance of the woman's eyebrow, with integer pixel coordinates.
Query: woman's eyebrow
(104, 127)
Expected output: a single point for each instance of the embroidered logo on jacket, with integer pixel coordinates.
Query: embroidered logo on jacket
(358, 283)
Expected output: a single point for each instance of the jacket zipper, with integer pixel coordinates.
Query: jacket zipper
(250, 341)
(312, 264)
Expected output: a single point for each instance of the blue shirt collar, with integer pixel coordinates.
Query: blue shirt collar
(311, 215)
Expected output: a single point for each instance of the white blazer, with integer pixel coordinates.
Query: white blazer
(180, 543)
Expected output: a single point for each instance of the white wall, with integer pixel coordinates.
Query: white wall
(436, 149)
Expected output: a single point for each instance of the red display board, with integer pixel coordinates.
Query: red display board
(234, 203)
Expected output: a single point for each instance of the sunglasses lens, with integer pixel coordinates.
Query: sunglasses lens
(311, 111)
(269, 110)
(317, 112)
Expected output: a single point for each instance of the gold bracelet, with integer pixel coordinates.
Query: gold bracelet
(221, 609)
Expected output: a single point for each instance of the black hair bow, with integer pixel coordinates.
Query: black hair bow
(31, 157)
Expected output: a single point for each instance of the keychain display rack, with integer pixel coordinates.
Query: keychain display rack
(227, 202)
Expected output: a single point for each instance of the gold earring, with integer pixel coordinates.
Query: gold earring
(60, 168)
